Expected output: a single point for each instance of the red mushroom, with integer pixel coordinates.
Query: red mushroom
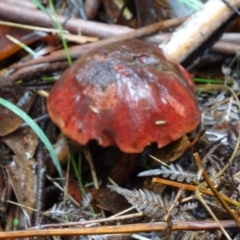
(126, 94)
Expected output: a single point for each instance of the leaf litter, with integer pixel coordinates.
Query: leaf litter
(220, 121)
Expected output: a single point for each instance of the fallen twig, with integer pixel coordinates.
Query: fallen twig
(32, 72)
(130, 228)
(77, 51)
(36, 17)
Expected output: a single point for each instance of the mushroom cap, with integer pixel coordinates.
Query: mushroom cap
(126, 94)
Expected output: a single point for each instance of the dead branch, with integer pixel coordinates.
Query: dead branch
(198, 28)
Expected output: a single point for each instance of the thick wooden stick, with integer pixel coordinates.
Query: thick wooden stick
(198, 27)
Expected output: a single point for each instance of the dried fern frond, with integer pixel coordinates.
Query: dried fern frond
(175, 172)
(57, 210)
(163, 235)
(67, 212)
(151, 204)
(216, 114)
(196, 235)
(189, 206)
(86, 201)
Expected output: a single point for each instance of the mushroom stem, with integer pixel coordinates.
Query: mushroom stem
(124, 167)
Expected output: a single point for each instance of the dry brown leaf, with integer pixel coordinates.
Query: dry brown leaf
(9, 121)
(21, 171)
(172, 151)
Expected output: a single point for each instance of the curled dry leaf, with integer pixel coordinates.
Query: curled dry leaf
(172, 151)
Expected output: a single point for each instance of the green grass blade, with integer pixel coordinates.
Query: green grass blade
(42, 8)
(59, 27)
(36, 129)
(22, 45)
